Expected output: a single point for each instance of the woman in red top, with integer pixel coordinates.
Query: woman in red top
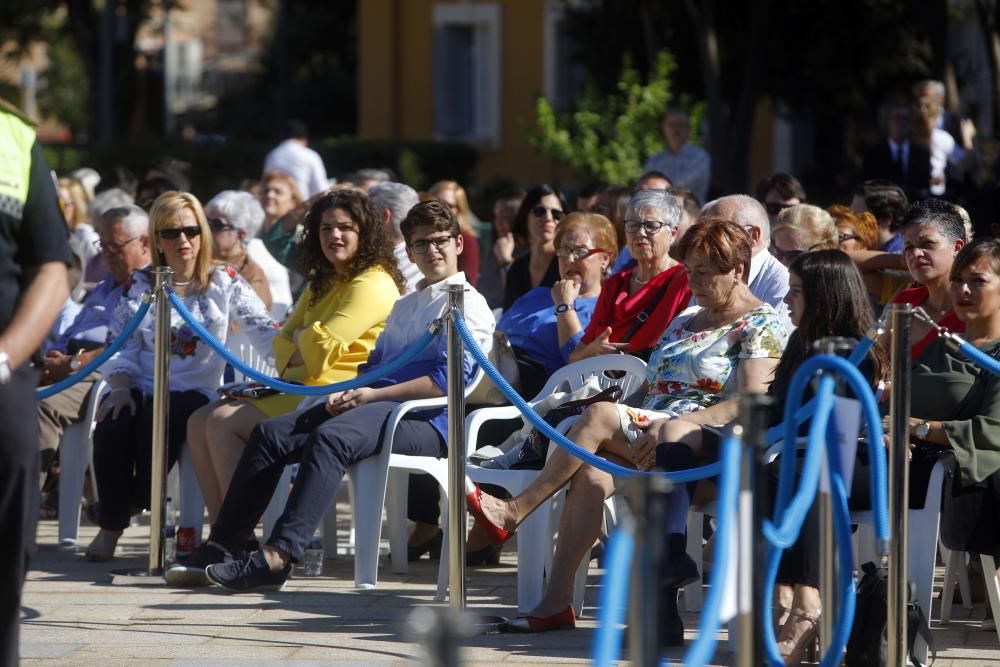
(933, 233)
(637, 304)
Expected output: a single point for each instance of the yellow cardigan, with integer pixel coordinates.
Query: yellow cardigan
(338, 331)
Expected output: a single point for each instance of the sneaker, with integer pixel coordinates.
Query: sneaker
(102, 548)
(191, 572)
(247, 575)
(185, 542)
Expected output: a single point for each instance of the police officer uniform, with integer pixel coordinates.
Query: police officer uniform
(32, 233)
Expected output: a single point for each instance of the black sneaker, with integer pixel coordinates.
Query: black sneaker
(191, 572)
(247, 575)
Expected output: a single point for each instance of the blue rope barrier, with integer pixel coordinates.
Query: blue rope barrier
(775, 433)
(703, 648)
(298, 389)
(678, 477)
(95, 363)
(614, 594)
(974, 354)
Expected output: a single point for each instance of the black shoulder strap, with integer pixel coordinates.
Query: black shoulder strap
(641, 318)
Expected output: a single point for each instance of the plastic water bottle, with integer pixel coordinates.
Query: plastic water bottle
(312, 559)
(169, 533)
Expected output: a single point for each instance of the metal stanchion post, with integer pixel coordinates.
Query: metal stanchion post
(649, 503)
(899, 482)
(456, 453)
(752, 599)
(161, 407)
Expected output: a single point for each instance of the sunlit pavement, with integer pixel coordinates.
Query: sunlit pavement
(73, 616)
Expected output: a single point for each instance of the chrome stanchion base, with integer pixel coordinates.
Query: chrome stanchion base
(139, 576)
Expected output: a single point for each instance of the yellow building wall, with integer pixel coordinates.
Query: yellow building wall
(395, 80)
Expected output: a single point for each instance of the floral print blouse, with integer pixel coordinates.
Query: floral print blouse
(194, 366)
(691, 371)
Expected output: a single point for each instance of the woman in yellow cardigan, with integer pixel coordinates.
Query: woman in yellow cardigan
(354, 282)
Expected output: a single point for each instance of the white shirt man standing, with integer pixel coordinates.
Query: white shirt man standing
(294, 157)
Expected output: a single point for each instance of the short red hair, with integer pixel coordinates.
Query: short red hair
(726, 244)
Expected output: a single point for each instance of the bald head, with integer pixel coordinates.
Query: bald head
(746, 212)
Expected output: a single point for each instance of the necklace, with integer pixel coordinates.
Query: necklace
(183, 283)
(638, 281)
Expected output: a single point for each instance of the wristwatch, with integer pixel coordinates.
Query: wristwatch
(922, 430)
(564, 307)
(76, 363)
(4, 368)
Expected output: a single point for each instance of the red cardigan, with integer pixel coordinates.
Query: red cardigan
(915, 296)
(616, 309)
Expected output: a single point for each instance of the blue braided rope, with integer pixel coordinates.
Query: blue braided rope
(298, 389)
(95, 363)
(678, 477)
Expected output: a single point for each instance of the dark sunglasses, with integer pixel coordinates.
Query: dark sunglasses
(843, 238)
(174, 233)
(776, 207)
(539, 212)
(218, 225)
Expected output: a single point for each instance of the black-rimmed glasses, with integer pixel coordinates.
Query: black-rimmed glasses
(423, 245)
(651, 226)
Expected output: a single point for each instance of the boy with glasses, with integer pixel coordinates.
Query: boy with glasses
(346, 428)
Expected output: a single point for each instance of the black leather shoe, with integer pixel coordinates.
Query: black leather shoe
(431, 546)
(488, 555)
(678, 570)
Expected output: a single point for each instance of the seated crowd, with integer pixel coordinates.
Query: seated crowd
(718, 300)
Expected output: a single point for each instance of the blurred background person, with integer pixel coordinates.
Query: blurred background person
(453, 195)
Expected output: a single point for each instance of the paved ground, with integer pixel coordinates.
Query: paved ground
(72, 616)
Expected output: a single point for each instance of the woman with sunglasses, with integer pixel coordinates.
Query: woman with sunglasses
(536, 219)
(800, 229)
(216, 294)
(354, 282)
(235, 218)
(636, 304)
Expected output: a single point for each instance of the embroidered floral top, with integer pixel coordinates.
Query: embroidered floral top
(691, 371)
(194, 366)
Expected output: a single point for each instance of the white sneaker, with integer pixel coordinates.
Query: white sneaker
(102, 548)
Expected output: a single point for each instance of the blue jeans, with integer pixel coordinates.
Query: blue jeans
(324, 447)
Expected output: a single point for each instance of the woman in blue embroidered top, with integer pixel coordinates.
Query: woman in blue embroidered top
(546, 324)
(216, 295)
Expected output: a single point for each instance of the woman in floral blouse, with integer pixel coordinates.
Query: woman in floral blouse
(180, 239)
(729, 343)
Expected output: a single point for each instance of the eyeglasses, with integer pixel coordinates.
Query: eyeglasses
(423, 245)
(219, 225)
(539, 212)
(113, 247)
(651, 226)
(844, 238)
(174, 233)
(788, 256)
(578, 254)
(776, 207)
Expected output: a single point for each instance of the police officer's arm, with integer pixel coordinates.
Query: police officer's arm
(47, 290)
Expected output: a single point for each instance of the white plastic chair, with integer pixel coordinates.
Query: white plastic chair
(75, 454)
(956, 568)
(534, 534)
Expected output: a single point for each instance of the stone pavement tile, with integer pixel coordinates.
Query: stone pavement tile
(367, 652)
(183, 650)
(47, 649)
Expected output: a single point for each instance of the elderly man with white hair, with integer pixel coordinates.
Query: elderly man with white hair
(768, 280)
(393, 201)
(235, 218)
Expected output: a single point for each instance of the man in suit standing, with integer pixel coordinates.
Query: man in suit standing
(896, 158)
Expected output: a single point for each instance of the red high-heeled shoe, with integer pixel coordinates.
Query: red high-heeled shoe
(495, 533)
(564, 620)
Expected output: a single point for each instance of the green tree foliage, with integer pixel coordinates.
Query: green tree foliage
(609, 137)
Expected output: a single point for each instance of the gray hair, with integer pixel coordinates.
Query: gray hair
(661, 205)
(379, 175)
(133, 219)
(113, 198)
(240, 209)
(399, 198)
(744, 210)
(937, 88)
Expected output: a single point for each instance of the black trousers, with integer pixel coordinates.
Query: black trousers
(19, 461)
(123, 453)
(324, 447)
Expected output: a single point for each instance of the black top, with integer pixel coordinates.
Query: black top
(519, 279)
(30, 236)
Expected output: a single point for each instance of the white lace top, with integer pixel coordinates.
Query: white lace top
(194, 366)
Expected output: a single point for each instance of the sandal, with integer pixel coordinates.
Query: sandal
(794, 649)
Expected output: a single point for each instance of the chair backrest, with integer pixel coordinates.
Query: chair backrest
(241, 347)
(621, 370)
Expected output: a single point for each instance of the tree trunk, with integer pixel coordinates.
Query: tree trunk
(703, 18)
